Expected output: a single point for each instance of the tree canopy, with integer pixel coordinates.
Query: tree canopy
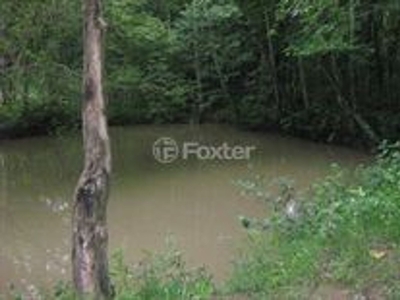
(327, 70)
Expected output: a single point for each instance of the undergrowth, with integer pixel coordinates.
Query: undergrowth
(344, 233)
(159, 276)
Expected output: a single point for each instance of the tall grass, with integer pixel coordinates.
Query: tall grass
(346, 235)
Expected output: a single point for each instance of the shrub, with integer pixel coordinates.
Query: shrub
(160, 277)
(347, 235)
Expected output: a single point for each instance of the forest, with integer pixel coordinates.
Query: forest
(326, 70)
(310, 88)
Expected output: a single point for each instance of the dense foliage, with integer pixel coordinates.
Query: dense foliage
(327, 70)
(344, 236)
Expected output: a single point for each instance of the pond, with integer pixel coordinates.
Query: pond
(192, 199)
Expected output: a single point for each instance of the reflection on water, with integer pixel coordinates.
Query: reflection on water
(192, 200)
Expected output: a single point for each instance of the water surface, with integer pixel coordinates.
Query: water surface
(193, 201)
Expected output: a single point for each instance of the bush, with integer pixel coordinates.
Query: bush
(160, 277)
(41, 100)
(346, 235)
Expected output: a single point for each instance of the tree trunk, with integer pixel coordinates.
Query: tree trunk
(90, 237)
(303, 83)
(272, 61)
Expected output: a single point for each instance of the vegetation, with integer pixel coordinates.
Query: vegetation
(159, 276)
(344, 236)
(325, 70)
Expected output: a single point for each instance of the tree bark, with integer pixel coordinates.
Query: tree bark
(90, 236)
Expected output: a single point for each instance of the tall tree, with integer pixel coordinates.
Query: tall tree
(90, 235)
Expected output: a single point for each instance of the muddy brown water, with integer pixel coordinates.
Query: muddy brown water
(192, 202)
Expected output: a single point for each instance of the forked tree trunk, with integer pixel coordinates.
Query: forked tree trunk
(90, 236)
